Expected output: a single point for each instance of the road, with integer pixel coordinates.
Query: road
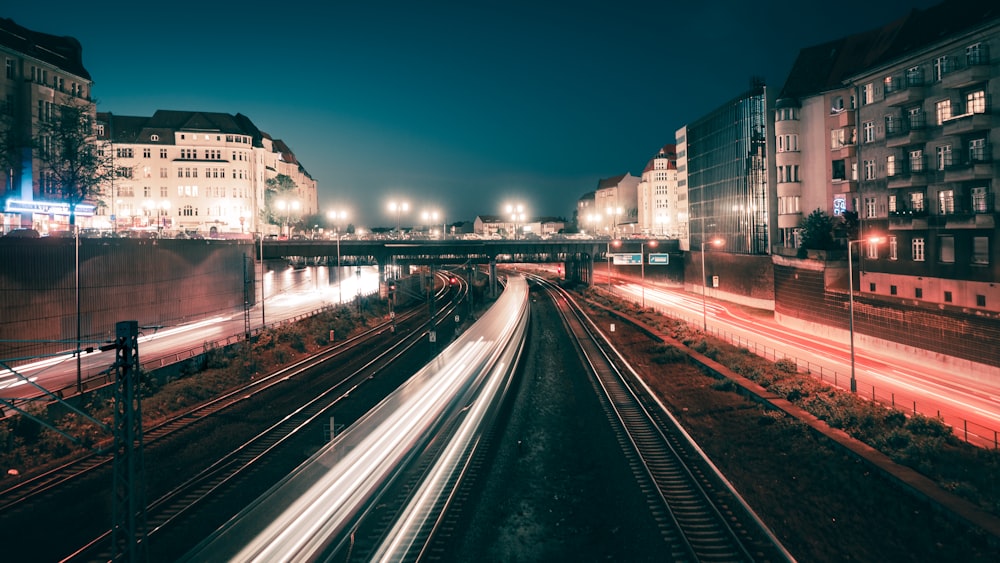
(290, 293)
(967, 401)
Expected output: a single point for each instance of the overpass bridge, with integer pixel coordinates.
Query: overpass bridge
(576, 256)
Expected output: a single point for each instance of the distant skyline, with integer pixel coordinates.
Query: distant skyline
(451, 107)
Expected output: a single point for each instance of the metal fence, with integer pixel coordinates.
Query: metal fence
(966, 430)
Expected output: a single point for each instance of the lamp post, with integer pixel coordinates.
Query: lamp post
(430, 218)
(287, 207)
(397, 208)
(617, 243)
(704, 284)
(850, 300)
(334, 216)
(642, 255)
(614, 212)
(516, 212)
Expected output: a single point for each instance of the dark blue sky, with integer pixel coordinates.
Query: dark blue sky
(455, 106)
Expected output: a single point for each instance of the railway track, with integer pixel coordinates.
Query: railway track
(699, 514)
(376, 354)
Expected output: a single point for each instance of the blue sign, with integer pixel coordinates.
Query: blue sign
(659, 258)
(622, 259)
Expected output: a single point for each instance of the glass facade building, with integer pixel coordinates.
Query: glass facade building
(729, 175)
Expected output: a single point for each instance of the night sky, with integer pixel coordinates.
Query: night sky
(459, 107)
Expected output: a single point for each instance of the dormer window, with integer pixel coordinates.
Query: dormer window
(154, 138)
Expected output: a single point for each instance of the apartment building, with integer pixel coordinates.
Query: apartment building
(616, 206)
(928, 159)
(41, 73)
(203, 172)
(662, 207)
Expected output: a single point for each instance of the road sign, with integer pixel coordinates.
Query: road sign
(659, 258)
(626, 259)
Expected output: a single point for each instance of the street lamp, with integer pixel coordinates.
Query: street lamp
(397, 208)
(642, 256)
(430, 218)
(850, 299)
(704, 283)
(617, 243)
(334, 216)
(614, 212)
(287, 207)
(516, 214)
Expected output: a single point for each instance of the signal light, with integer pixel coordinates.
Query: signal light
(453, 280)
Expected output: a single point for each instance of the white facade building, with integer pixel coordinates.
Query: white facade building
(196, 172)
(662, 210)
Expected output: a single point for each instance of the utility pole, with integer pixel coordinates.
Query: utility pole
(128, 532)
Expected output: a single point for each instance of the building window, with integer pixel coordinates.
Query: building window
(980, 301)
(915, 117)
(890, 166)
(868, 94)
(975, 102)
(163, 153)
(917, 160)
(978, 195)
(975, 54)
(870, 207)
(917, 246)
(146, 153)
(947, 297)
(977, 150)
(946, 202)
(892, 203)
(892, 290)
(839, 170)
(946, 251)
(943, 111)
(944, 157)
(980, 250)
(914, 76)
(154, 138)
(942, 66)
(918, 292)
(868, 129)
(10, 68)
(788, 143)
(872, 253)
(869, 170)
(917, 201)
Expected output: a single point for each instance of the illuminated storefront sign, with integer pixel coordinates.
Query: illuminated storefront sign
(48, 207)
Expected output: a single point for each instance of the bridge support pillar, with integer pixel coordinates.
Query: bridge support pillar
(493, 277)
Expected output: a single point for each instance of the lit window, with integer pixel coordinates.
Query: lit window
(917, 247)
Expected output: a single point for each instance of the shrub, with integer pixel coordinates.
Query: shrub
(669, 355)
(786, 365)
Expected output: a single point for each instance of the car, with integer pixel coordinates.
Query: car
(23, 232)
(91, 232)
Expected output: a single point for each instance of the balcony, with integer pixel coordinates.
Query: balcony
(789, 220)
(841, 118)
(966, 211)
(844, 151)
(908, 179)
(968, 75)
(967, 123)
(906, 95)
(969, 165)
(901, 133)
(845, 186)
(908, 220)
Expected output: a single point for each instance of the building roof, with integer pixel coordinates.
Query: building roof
(612, 182)
(132, 129)
(669, 152)
(65, 53)
(827, 66)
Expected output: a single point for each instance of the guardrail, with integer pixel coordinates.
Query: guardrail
(970, 432)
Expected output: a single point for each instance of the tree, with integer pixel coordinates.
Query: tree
(279, 188)
(817, 231)
(71, 164)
